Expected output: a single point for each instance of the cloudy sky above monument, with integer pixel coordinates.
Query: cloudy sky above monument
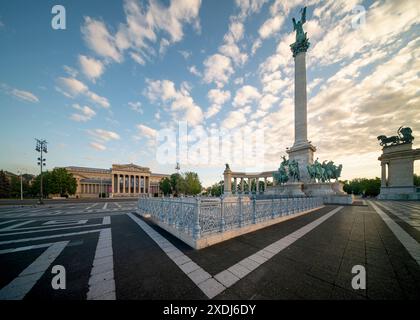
(101, 90)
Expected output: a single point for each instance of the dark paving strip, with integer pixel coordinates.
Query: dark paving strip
(221, 256)
(12, 264)
(318, 266)
(142, 270)
(406, 226)
(77, 261)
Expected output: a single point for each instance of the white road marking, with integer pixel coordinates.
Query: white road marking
(8, 221)
(106, 220)
(105, 205)
(412, 246)
(70, 234)
(212, 286)
(117, 204)
(37, 246)
(90, 207)
(20, 286)
(101, 281)
(16, 225)
(64, 222)
(48, 230)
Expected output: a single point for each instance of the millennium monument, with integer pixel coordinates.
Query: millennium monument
(397, 166)
(299, 175)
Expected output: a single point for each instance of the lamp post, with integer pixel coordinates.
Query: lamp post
(41, 147)
(21, 184)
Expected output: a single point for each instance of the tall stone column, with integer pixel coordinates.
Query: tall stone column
(302, 150)
(242, 185)
(383, 174)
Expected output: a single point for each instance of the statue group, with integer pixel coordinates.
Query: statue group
(404, 135)
(288, 169)
(325, 171)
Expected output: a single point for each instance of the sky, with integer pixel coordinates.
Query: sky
(147, 82)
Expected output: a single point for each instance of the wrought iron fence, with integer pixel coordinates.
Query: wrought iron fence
(197, 217)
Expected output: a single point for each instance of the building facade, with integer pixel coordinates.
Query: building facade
(122, 180)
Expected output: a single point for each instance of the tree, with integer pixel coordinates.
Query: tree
(4, 185)
(216, 189)
(192, 183)
(365, 187)
(58, 181)
(416, 180)
(177, 184)
(62, 182)
(165, 186)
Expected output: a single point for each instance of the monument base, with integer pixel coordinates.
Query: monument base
(399, 193)
(293, 189)
(319, 189)
(339, 199)
(303, 153)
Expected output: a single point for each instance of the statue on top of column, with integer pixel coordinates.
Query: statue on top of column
(302, 42)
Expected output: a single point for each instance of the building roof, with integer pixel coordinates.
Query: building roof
(87, 169)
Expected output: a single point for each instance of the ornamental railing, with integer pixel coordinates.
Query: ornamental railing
(198, 217)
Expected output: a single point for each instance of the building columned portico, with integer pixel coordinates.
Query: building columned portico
(122, 180)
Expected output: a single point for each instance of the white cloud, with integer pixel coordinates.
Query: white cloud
(136, 106)
(271, 26)
(181, 103)
(91, 67)
(186, 54)
(25, 95)
(249, 7)
(246, 95)
(103, 135)
(234, 119)
(146, 131)
(137, 58)
(98, 38)
(143, 25)
(85, 113)
(217, 98)
(72, 88)
(97, 146)
(232, 51)
(255, 46)
(19, 94)
(218, 69)
(193, 70)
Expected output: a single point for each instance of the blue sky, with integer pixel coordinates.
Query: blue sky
(103, 90)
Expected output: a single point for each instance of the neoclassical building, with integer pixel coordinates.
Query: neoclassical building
(122, 180)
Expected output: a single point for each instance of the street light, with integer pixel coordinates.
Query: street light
(41, 147)
(21, 184)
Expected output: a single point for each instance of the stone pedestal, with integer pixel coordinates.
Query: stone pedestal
(397, 168)
(318, 189)
(293, 189)
(304, 155)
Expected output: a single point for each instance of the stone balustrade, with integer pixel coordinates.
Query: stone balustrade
(193, 219)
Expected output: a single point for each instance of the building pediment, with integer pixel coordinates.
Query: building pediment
(129, 167)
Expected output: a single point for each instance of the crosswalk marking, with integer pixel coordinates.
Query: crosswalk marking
(8, 221)
(16, 225)
(49, 230)
(70, 234)
(90, 207)
(105, 205)
(20, 286)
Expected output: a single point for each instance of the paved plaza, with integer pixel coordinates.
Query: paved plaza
(110, 252)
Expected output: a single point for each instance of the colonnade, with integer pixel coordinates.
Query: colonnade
(129, 184)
